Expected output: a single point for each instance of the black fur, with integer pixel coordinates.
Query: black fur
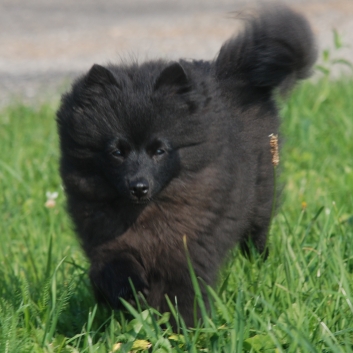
(154, 152)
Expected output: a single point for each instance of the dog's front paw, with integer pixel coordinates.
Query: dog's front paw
(111, 281)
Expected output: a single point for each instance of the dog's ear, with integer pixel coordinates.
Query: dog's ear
(173, 76)
(99, 75)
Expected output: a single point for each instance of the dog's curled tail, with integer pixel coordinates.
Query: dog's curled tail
(275, 49)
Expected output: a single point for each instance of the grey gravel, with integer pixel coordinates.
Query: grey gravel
(44, 44)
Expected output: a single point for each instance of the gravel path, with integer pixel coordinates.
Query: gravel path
(45, 43)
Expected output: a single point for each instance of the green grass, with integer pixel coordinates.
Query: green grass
(299, 300)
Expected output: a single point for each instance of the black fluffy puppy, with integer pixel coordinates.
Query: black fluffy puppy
(154, 152)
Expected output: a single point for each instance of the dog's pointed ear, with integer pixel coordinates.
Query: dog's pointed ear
(173, 75)
(101, 76)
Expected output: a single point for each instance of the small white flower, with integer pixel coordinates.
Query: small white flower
(51, 196)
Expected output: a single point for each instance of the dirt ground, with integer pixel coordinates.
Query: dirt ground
(45, 43)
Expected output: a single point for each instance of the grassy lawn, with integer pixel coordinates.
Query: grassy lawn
(299, 300)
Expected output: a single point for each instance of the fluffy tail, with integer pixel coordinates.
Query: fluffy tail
(276, 48)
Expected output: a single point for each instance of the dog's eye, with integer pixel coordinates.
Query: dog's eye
(118, 153)
(159, 152)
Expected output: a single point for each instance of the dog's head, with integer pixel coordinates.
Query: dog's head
(133, 129)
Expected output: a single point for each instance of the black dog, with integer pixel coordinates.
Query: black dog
(154, 152)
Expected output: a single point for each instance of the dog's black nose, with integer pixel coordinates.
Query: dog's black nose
(139, 188)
